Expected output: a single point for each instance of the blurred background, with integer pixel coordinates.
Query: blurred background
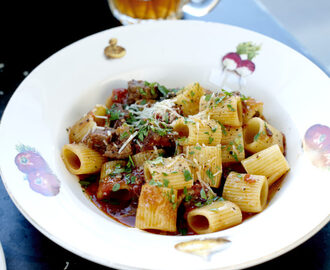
(308, 22)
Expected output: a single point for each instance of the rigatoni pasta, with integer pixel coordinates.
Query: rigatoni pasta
(79, 159)
(232, 144)
(110, 166)
(100, 114)
(214, 217)
(269, 162)
(169, 172)
(226, 109)
(81, 128)
(176, 160)
(141, 157)
(195, 130)
(251, 108)
(188, 99)
(157, 208)
(206, 163)
(259, 135)
(248, 191)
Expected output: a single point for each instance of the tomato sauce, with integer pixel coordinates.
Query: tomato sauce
(125, 212)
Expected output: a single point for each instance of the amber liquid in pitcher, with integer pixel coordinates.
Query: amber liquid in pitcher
(148, 9)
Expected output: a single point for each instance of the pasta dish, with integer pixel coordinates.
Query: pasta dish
(176, 161)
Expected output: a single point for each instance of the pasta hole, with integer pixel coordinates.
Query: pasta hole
(252, 129)
(122, 194)
(199, 223)
(182, 130)
(72, 159)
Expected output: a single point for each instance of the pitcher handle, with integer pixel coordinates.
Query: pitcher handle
(199, 8)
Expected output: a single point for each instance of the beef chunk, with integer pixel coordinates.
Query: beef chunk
(130, 184)
(140, 90)
(112, 151)
(154, 139)
(193, 197)
(99, 139)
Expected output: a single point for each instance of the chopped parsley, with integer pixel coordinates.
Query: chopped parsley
(164, 91)
(203, 194)
(87, 181)
(243, 98)
(143, 102)
(183, 231)
(156, 161)
(116, 187)
(256, 137)
(114, 114)
(210, 175)
(130, 163)
(123, 135)
(152, 182)
(223, 128)
(219, 100)
(84, 184)
(142, 91)
(152, 91)
(188, 196)
(208, 97)
(240, 148)
(187, 175)
(227, 93)
(143, 132)
(166, 182)
(231, 108)
(234, 155)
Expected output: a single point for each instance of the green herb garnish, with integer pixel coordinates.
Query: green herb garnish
(142, 92)
(123, 136)
(208, 97)
(256, 137)
(231, 108)
(187, 175)
(116, 187)
(203, 194)
(156, 161)
(210, 175)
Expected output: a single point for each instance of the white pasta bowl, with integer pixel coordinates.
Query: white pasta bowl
(60, 90)
(2, 259)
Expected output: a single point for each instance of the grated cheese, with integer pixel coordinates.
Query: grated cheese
(100, 116)
(127, 142)
(159, 108)
(99, 127)
(220, 171)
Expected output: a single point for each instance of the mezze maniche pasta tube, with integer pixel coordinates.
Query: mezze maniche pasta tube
(216, 216)
(157, 208)
(269, 162)
(169, 172)
(79, 159)
(248, 191)
(259, 135)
